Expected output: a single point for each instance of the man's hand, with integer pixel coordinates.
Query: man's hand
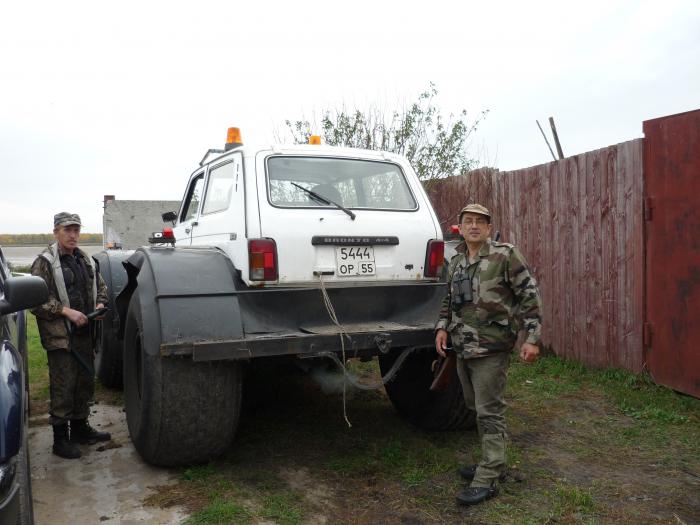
(99, 306)
(529, 352)
(441, 342)
(74, 316)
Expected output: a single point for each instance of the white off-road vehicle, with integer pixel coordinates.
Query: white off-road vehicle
(274, 252)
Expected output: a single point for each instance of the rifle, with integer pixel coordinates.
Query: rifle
(444, 367)
(82, 362)
(444, 370)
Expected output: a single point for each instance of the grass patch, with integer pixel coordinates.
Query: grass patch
(636, 396)
(639, 397)
(17, 269)
(514, 455)
(394, 454)
(283, 507)
(569, 498)
(221, 512)
(355, 463)
(369, 367)
(414, 477)
(38, 364)
(548, 377)
(226, 494)
(198, 472)
(410, 459)
(559, 503)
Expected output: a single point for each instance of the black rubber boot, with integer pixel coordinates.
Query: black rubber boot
(469, 472)
(82, 432)
(475, 495)
(62, 446)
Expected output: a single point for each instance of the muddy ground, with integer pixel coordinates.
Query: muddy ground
(108, 484)
(576, 456)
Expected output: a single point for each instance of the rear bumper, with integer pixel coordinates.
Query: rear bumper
(369, 341)
(284, 322)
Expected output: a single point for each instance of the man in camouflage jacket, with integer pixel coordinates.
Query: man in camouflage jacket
(491, 295)
(75, 289)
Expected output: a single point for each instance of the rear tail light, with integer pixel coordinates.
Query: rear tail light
(454, 229)
(166, 236)
(262, 259)
(434, 258)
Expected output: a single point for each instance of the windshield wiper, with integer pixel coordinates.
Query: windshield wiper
(325, 200)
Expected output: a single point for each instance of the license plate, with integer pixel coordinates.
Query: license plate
(354, 260)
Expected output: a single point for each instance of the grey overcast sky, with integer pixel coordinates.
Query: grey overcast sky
(125, 97)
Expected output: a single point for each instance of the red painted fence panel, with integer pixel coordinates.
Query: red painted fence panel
(672, 183)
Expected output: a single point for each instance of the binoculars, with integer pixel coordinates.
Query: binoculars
(461, 291)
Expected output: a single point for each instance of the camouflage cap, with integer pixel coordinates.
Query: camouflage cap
(474, 208)
(66, 219)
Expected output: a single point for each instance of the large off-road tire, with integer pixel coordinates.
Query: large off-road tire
(109, 364)
(409, 391)
(178, 412)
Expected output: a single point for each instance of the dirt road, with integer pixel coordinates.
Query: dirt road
(107, 485)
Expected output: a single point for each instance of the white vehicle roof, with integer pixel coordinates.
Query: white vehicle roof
(332, 151)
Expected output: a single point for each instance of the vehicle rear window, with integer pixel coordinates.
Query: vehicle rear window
(352, 183)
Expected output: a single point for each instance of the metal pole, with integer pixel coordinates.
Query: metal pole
(556, 138)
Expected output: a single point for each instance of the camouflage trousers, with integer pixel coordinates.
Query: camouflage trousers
(71, 386)
(483, 382)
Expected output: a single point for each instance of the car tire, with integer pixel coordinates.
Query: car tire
(409, 392)
(178, 412)
(108, 354)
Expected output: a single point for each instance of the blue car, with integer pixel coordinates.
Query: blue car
(16, 294)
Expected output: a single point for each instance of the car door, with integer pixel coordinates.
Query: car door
(189, 211)
(221, 219)
(16, 294)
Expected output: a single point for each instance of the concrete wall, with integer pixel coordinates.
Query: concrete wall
(129, 224)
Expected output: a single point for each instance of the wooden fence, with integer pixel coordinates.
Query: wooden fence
(579, 222)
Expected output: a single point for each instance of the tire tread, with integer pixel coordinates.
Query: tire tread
(188, 412)
(409, 392)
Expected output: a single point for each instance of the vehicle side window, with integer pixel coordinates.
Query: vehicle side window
(193, 199)
(219, 188)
